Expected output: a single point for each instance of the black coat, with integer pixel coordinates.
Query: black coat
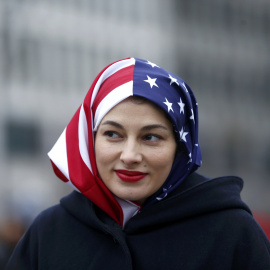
(203, 224)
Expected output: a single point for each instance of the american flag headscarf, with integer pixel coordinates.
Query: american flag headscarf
(73, 156)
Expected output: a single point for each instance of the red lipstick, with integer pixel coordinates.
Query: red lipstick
(130, 176)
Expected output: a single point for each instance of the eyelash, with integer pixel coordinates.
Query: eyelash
(146, 137)
(110, 134)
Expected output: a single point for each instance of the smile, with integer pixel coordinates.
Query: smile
(130, 176)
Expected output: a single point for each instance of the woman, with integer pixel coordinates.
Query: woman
(131, 152)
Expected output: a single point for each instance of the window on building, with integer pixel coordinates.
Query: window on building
(22, 137)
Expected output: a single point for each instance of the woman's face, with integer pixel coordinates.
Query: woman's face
(135, 149)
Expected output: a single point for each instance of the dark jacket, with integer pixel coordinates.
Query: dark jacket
(203, 224)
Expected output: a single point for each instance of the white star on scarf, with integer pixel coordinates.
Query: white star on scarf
(190, 158)
(192, 116)
(173, 80)
(165, 193)
(183, 135)
(152, 64)
(182, 105)
(152, 82)
(169, 105)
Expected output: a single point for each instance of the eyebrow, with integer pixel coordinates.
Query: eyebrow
(145, 128)
(112, 123)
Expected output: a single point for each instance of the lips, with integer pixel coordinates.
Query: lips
(130, 176)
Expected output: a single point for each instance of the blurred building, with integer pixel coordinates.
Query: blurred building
(50, 51)
(223, 53)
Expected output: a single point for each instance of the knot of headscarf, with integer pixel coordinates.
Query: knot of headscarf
(73, 156)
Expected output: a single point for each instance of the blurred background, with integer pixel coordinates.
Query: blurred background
(51, 50)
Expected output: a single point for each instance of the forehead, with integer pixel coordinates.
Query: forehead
(142, 111)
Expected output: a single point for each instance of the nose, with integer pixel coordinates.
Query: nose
(131, 153)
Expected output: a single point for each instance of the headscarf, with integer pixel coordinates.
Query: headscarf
(73, 156)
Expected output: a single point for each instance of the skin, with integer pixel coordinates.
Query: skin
(134, 137)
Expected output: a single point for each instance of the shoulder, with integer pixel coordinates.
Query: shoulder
(244, 225)
(53, 218)
(198, 180)
(250, 244)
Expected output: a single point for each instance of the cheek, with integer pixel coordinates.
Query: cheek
(104, 154)
(163, 158)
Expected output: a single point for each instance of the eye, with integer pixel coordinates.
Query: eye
(151, 137)
(111, 134)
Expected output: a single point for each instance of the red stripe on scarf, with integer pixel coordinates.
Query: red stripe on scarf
(78, 170)
(81, 177)
(120, 77)
(58, 173)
